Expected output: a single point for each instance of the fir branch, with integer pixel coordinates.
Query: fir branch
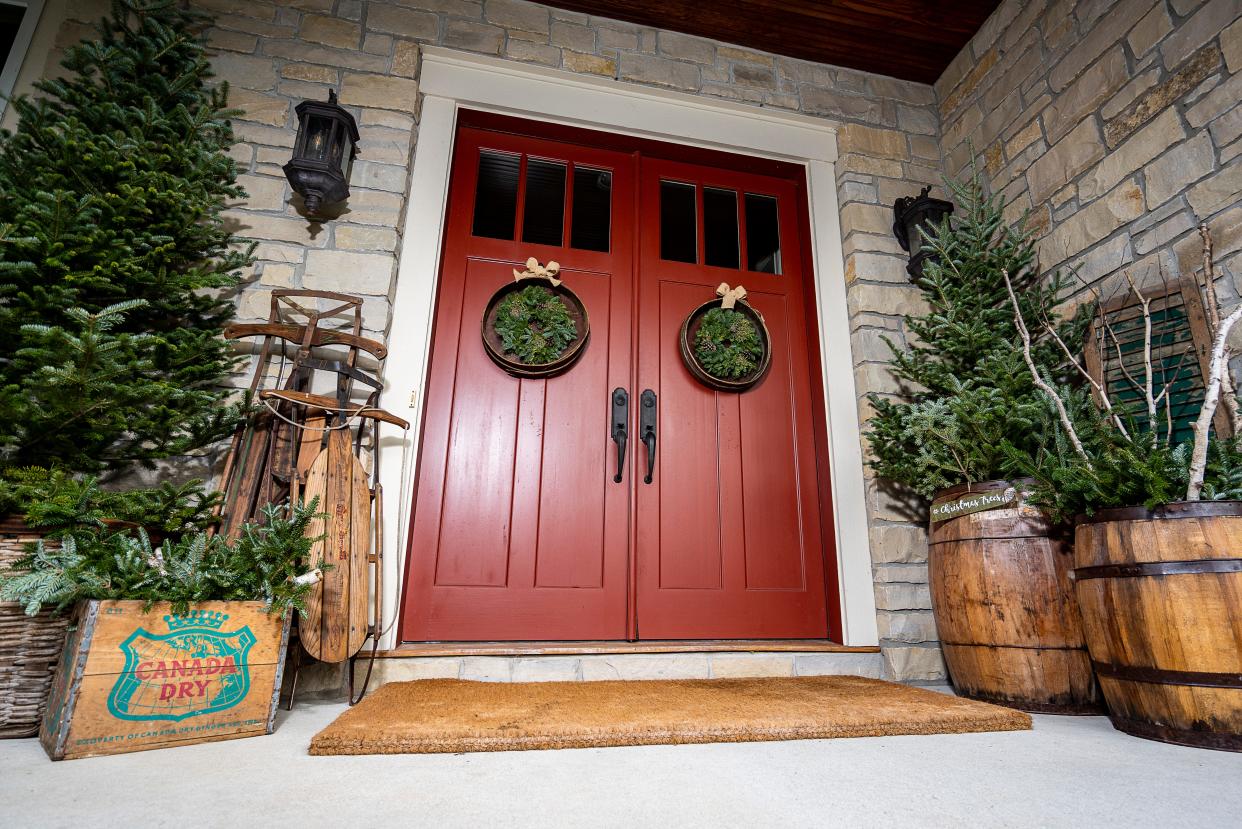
(264, 564)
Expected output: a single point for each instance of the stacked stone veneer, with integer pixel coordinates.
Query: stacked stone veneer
(1115, 123)
(275, 54)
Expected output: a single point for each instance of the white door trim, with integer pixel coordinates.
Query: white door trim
(451, 80)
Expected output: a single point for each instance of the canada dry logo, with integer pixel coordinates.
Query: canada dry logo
(193, 669)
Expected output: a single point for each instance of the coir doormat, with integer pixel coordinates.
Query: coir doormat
(449, 715)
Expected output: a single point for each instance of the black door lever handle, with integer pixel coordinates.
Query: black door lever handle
(647, 429)
(620, 427)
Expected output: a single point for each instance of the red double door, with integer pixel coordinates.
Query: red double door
(520, 530)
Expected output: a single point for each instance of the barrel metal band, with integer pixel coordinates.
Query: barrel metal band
(1158, 568)
(1222, 741)
(1161, 676)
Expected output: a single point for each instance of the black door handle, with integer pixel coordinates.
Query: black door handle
(620, 427)
(647, 429)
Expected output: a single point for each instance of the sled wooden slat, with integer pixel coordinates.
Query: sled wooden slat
(297, 333)
(323, 403)
(335, 625)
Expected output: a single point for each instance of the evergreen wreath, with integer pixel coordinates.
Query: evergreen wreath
(727, 344)
(534, 325)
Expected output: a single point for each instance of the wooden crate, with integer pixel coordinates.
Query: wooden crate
(132, 681)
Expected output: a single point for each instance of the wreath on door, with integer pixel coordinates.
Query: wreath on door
(532, 329)
(725, 342)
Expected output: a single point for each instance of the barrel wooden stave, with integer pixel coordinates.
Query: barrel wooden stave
(1018, 589)
(1002, 599)
(1152, 636)
(1040, 680)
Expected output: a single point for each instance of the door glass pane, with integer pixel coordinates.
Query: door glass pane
(592, 209)
(543, 216)
(495, 195)
(679, 240)
(763, 239)
(720, 228)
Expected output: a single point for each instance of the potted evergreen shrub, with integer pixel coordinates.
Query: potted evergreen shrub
(998, 567)
(1158, 573)
(113, 254)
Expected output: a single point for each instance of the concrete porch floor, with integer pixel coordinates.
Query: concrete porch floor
(1069, 771)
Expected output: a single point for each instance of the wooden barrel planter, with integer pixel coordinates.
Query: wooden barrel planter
(1002, 599)
(1161, 599)
(30, 646)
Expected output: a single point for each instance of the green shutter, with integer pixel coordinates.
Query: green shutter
(1173, 362)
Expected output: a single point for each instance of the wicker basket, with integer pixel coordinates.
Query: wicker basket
(30, 646)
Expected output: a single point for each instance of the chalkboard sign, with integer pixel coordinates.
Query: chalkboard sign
(973, 502)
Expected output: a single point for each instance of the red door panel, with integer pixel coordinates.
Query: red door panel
(728, 533)
(518, 530)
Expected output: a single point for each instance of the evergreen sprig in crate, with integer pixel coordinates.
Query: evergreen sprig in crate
(133, 678)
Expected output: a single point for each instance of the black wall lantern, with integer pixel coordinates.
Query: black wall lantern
(323, 152)
(909, 214)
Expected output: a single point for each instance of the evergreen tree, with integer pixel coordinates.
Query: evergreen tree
(111, 190)
(968, 400)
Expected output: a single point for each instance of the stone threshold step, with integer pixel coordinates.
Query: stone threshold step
(586, 667)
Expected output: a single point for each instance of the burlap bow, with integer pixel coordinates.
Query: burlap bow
(536, 271)
(729, 297)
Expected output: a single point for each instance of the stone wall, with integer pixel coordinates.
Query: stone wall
(1115, 122)
(274, 54)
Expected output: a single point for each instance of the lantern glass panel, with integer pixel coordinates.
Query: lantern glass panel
(318, 141)
(338, 143)
(348, 152)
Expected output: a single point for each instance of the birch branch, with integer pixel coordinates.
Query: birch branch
(1121, 359)
(1168, 420)
(1108, 332)
(1040, 383)
(1213, 314)
(1148, 390)
(1175, 375)
(1211, 396)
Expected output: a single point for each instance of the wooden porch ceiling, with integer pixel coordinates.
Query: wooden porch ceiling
(909, 39)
